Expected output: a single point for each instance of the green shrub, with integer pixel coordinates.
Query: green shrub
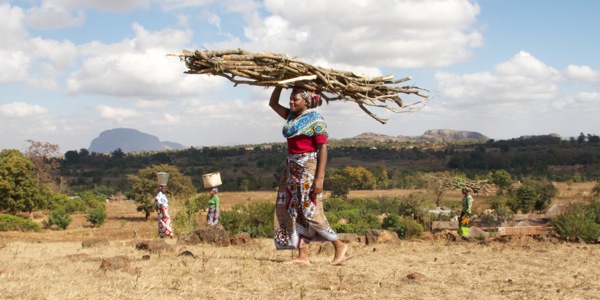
(59, 217)
(526, 198)
(14, 223)
(413, 205)
(97, 216)
(405, 228)
(185, 219)
(255, 219)
(579, 222)
(343, 228)
(183, 222)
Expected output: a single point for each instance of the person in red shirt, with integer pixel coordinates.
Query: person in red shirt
(299, 216)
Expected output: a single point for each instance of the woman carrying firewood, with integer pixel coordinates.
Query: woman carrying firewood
(299, 216)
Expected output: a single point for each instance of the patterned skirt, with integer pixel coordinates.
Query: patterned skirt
(298, 216)
(165, 228)
(212, 218)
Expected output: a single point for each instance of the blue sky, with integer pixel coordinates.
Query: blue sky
(70, 69)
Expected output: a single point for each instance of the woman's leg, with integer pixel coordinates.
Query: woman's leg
(340, 252)
(302, 258)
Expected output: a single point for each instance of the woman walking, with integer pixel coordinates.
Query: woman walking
(165, 228)
(299, 216)
(212, 218)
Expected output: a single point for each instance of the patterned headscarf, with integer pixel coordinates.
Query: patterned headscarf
(312, 98)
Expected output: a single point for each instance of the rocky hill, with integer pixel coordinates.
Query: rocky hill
(129, 140)
(433, 135)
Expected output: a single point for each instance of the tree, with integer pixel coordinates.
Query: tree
(359, 178)
(18, 188)
(546, 191)
(526, 198)
(244, 184)
(144, 186)
(338, 185)
(46, 167)
(501, 179)
(381, 176)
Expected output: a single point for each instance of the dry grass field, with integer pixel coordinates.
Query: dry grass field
(55, 265)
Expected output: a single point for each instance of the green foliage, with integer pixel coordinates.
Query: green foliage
(581, 221)
(59, 217)
(69, 204)
(502, 208)
(414, 206)
(343, 228)
(97, 216)
(335, 204)
(255, 219)
(19, 191)
(546, 192)
(338, 185)
(533, 195)
(382, 179)
(342, 180)
(185, 219)
(502, 179)
(360, 214)
(235, 220)
(404, 227)
(15, 223)
(526, 198)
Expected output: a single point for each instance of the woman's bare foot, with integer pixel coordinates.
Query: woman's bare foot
(297, 261)
(340, 253)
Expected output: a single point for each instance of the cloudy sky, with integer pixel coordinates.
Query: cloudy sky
(70, 69)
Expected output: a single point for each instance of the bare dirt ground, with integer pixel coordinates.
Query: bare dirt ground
(55, 265)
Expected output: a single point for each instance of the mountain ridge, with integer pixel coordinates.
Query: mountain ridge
(133, 140)
(130, 140)
(432, 135)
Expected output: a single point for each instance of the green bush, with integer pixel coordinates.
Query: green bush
(255, 219)
(185, 219)
(343, 228)
(59, 217)
(97, 216)
(579, 222)
(405, 228)
(14, 223)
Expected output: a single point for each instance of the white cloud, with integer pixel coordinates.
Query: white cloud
(105, 5)
(21, 110)
(513, 84)
(139, 68)
(50, 16)
(14, 66)
(583, 73)
(398, 34)
(11, 25)
(183, 4)
(118, 114)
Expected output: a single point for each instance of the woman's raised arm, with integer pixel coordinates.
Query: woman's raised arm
(274, 103)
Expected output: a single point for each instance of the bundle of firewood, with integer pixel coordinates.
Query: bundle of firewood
(269, 69)
(445, 181)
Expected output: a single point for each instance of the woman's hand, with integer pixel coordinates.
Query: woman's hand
(317, 188)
